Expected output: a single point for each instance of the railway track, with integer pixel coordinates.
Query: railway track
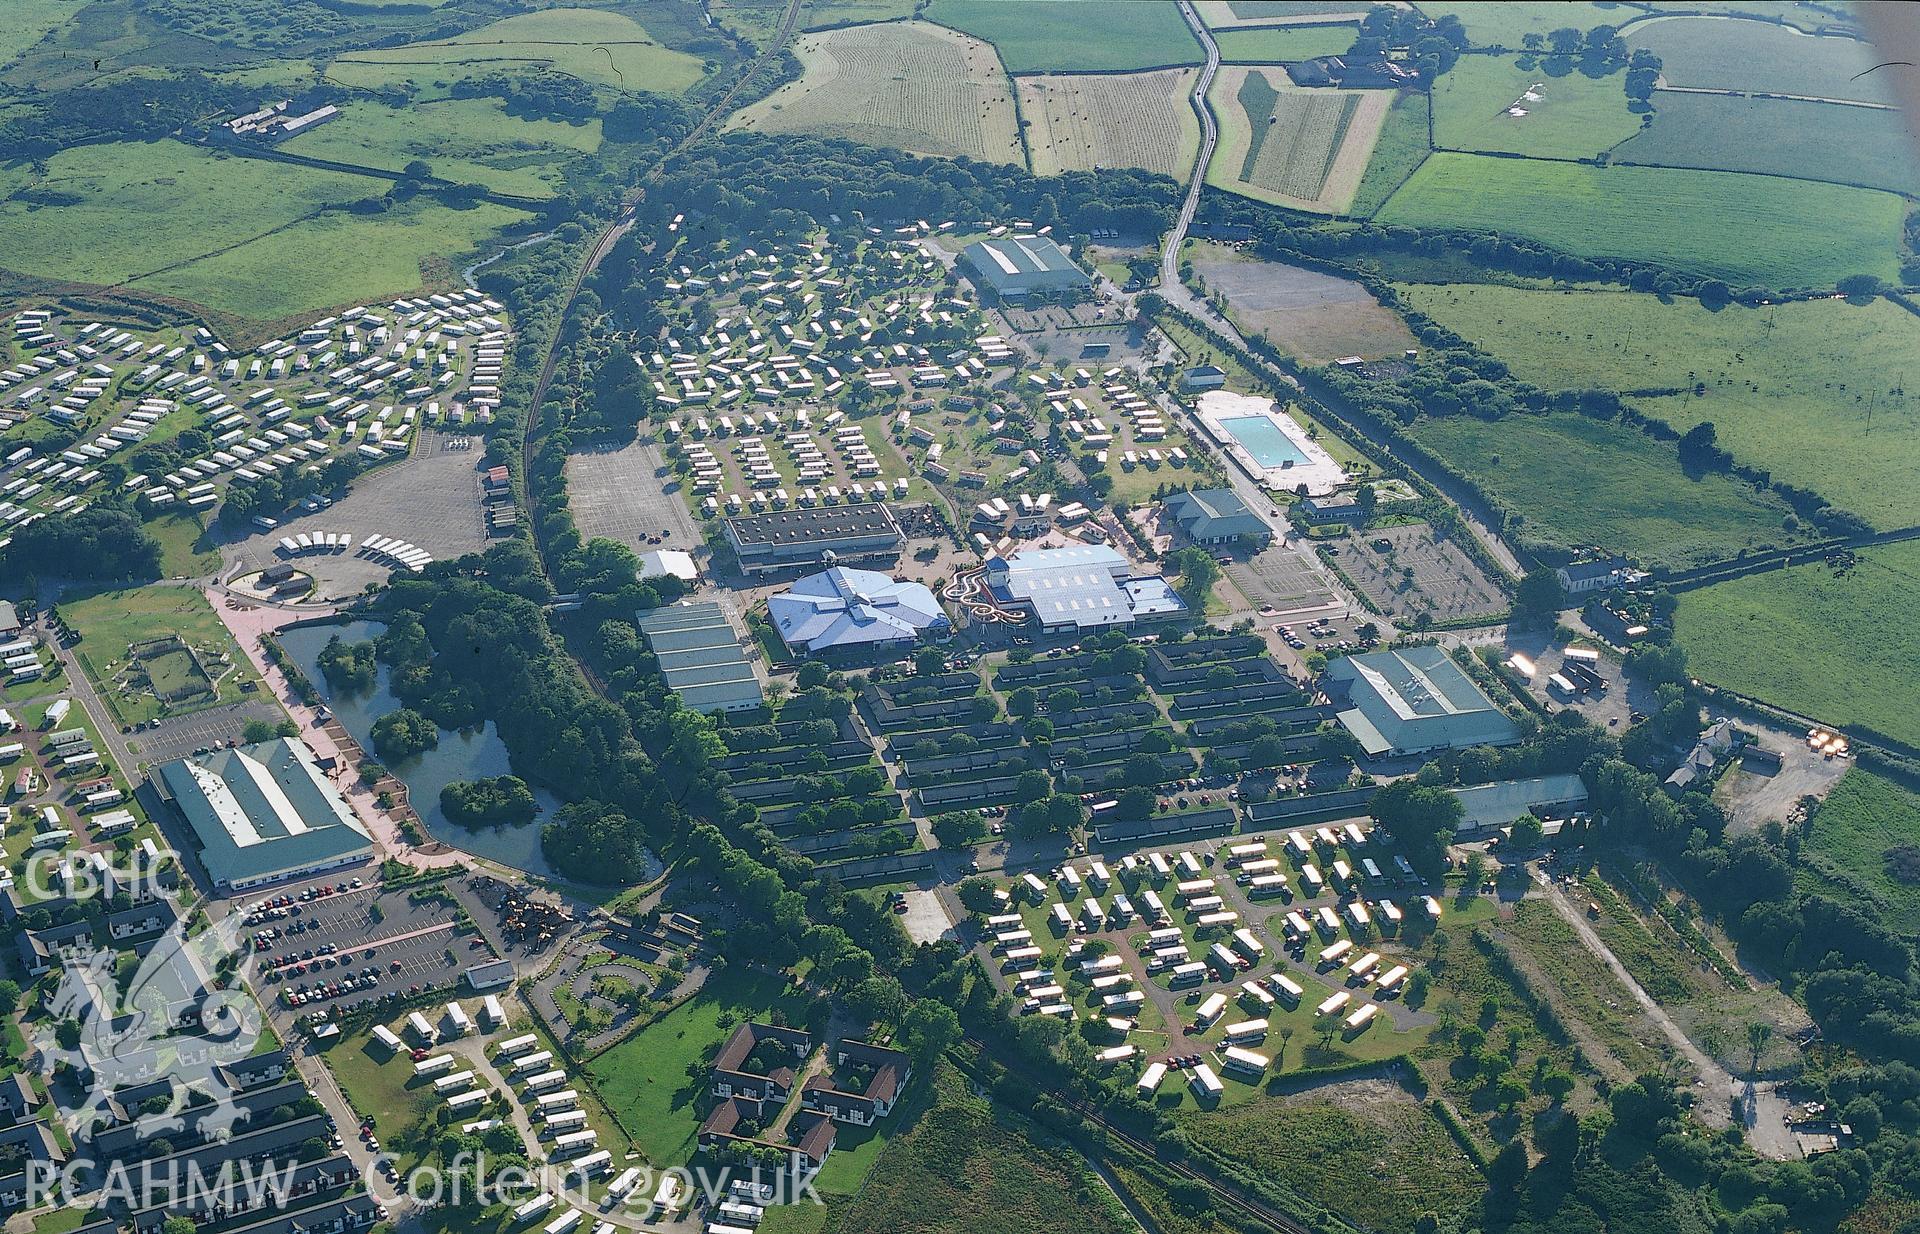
(609, 236)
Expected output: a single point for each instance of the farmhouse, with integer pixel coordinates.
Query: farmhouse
(1025, 269)
(814, 536)
(700, 656)
(1080, 587)
(865, 1082)
(1215, 516)
(263, 812)
(1413, 701)
(1601, 574)
(841, 610)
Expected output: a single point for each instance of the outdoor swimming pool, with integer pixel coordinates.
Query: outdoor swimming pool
(1262, 438)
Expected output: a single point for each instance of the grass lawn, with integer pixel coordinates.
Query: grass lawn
(181, 556)
(606, 49)
(969, 1168)
(1839, 646)
(111, 620)
(472, 141)
(1588, 988)
(107, 214)
(1368, 1151)
(1074, 36)
(384, 1087)
(1572, 116)
(1626, 492)
(1284, 44)
(332, 260)
(645, 1078)
(1401, 148)
(1787, 387)
(25, 22)
(821, 13)
(1742, 229)
(856, 1149)
(1866, 817)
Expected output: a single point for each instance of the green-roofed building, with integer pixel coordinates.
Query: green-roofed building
(1413, 701)
(262, 813)
(1022, 269)
(700, 656)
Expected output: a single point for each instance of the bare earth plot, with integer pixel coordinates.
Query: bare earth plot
(1089, 121)
(1305, 149)
(1318, 317)
(911, 85)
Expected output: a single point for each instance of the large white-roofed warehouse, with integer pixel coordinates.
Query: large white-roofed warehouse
(1022, 268)
(1415, 700)
(265, 812)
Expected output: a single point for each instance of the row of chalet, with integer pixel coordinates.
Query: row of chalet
(753, 1079)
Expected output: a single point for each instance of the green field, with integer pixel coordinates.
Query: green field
(25, 22)
(1788, 387)
(1715, 54)
(846, 12)
(1400, 150)
(183, 553)
(1778, 137)
(1848, 842)
(645, 1078)
(1503, 23)
(1284, 44)
(1573, 116)
(1074, 36)
(109, 621)
(1580, 481)
(107, 214)
(966, 1168)
(333, 260)
(1837, 646)
(1743, 229)
(1367, 1151)
(607, 49)
(471, 141)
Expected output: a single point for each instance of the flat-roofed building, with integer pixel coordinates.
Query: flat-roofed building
(811, 536)
(264, 812)
(1080, 587)
(700, 656)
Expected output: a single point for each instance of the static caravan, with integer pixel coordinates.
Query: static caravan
(1205, 1083)
(519, 1045)
(1211, 1008)
(466, 1101)
(422, 1030)
(1361, 1017)
(1393, 979)
(1150, 1079)
(1243, 1062)
(1333, 1003)
(1334, 953)
(386, 1037)
(533, 1208)
(1246, 944)
(1246, 1031)
(455, 1080)
(1286, 989)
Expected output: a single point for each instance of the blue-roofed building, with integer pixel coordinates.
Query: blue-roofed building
(850, 611)
(1080, 587)
(1413, 701)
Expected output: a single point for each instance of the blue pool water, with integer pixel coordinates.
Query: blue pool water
(1263, 439)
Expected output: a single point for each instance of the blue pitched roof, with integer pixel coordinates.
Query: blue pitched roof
(839, 607)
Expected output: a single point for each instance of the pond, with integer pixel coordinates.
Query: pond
(459, 756)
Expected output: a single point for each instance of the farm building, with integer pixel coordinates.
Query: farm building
(842, 610)
(1485, 807)
(700, 656)
(1413, 701)
(263, 812)
(806, 537)
(1024, 269)
(1080, 587)
(1601, 574)
(1215, 516)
